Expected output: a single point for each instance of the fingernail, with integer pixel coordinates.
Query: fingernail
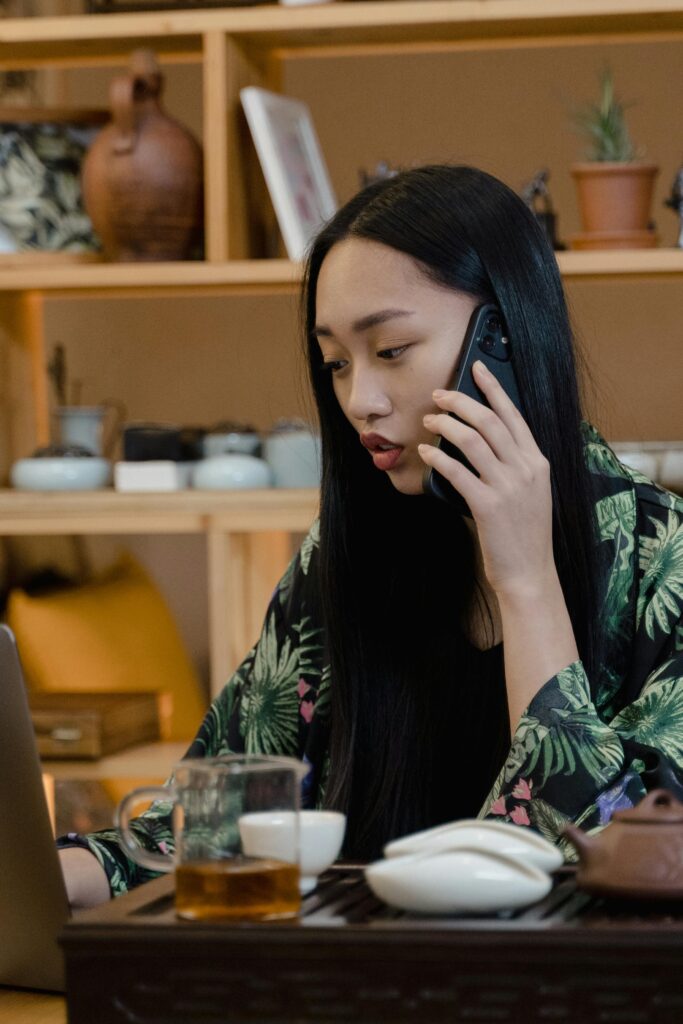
(480, 368)
(439, 393)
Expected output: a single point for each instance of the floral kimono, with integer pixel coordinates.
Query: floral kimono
(581, 750)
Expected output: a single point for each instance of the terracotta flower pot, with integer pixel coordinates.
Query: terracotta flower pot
(614, 197)
(142, 178)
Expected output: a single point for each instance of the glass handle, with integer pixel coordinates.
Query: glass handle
(146, 858)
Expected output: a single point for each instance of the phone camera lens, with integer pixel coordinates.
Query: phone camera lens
(492, 323)
(488, 343)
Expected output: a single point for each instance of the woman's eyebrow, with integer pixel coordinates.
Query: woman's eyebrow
(365, 322)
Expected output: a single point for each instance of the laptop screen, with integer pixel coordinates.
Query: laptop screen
(33, 903)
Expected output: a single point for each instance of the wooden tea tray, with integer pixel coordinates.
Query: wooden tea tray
(571, 958)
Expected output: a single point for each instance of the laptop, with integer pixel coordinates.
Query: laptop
(33, 901)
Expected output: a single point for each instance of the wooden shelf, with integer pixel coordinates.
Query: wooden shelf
(237, 277)
(153, 760)
(245, 277)
(178, 34)
(105, 512)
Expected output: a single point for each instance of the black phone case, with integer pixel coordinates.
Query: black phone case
(485, 339)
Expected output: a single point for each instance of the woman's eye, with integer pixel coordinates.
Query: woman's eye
(392, 353)
(334, 365)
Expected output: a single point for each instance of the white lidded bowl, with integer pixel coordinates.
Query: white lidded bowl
(231, 472)
(494, 837)
(463, 881)
(61, 473)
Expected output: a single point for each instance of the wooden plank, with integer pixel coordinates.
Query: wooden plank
(270, 276)
(233, 277)
(335, 24)
(242, 202)
(18, 1007)
(228, 573)
(214, 85)
(33, 336)
(106, 511)
(153, 760)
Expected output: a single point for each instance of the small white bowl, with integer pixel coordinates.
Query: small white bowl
(231, 472)
(464, 881)
(495, 837)
(273, 834)
(61, 473)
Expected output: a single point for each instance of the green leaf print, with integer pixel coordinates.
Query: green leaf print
(601, 460)
(310, 543)
(661, 563)
(656, 718)
(270, 704)
(616, 517)
(547, 819)
(576, 742)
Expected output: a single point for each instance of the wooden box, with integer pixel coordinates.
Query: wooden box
(92, 725)
(348, 959)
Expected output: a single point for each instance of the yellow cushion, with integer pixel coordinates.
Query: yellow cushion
(115, 633)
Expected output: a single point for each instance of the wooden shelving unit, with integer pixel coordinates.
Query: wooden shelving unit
(247, 534)
(247, 538)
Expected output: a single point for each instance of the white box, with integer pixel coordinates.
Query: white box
(153, 475)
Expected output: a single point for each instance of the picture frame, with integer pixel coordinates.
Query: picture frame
(293, 165)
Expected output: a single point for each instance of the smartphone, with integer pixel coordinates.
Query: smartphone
(486, 339)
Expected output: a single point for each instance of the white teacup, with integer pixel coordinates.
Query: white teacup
(321, 833)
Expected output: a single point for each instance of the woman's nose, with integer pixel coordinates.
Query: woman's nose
(367, 397)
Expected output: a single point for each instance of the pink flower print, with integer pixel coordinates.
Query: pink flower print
(306, 708)
(522, 790)
(498, 806)
(303, 688)
(519, 816)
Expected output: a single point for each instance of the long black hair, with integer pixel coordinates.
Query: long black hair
(397, 572)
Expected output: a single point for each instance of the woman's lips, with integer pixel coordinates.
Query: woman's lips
(385, 460)
(385, 454)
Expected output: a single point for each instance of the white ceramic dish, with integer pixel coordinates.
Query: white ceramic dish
(488, 836)
(273, 834)
(463, 881)
(231, 472)
(61, 474)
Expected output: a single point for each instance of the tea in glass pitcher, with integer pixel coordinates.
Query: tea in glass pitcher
(215, 877)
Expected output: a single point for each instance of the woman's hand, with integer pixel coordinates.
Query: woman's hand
(512, 507)
(511, 500)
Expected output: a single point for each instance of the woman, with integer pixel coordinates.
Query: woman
(523, 664)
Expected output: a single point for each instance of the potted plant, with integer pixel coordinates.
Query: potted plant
(614, 186)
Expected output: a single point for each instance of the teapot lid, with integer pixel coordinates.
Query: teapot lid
(660, 807)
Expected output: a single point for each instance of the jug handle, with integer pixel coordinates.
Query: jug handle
(121, 95)
(144, 80)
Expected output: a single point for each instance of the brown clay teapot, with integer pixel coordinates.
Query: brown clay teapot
(142, 177)
(640, 853)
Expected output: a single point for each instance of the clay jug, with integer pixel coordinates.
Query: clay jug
(142, 177)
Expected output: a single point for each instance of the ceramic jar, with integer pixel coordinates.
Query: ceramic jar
(292, 450)
(142, 178)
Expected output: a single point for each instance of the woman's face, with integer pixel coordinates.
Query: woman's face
(389, 337)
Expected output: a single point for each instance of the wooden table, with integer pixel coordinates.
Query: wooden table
(349, 959)
(20, 1007)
